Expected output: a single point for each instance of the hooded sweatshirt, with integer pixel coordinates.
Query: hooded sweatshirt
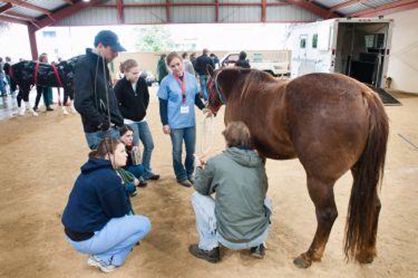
(239, 180)
(97, 196)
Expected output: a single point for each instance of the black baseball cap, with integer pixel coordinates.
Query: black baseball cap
(108, 38)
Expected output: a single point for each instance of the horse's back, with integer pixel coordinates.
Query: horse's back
(328, 120)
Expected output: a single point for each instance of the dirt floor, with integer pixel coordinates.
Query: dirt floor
(41, 157)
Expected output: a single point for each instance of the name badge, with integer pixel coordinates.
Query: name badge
(184, 109)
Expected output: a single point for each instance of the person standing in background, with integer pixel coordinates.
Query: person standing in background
(162, 70)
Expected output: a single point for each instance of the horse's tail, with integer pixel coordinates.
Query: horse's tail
(364, 206)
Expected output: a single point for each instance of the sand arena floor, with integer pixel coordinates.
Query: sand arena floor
(41, 157)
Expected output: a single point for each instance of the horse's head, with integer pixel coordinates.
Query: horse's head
(216, 98)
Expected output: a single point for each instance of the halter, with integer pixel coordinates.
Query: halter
(218, 91)
(215, 102)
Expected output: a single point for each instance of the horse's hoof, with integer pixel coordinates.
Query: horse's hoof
(302, 262)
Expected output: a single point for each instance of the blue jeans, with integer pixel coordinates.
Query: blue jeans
(136, 170)
(187, 134)
(142, 131)
(206, 224)
(94, 138)
(115, 240)
(204, 85)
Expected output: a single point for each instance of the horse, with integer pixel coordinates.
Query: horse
(29, 73)
(332, 124)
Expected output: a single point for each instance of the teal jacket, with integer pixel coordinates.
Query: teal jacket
(239, 179)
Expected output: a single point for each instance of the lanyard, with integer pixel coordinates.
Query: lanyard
(182, 84)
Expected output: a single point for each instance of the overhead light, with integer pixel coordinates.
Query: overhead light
(86, 1)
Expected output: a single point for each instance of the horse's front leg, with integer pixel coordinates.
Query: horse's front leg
(322, 195)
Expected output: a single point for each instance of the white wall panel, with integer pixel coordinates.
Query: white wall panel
(289, 13)
(91, 16)
(192, 14)
(145, 15)
(239, 14)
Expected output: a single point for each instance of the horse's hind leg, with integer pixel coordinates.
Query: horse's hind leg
(322, 195)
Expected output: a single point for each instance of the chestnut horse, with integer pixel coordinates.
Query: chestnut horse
(332, 124)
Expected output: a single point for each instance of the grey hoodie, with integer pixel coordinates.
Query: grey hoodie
(238, 177)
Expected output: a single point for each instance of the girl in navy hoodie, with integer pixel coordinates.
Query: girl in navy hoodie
(97, 218)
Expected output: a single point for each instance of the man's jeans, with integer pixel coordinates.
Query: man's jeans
(142, 132)
(115, 240)
(94, 138)
(204, 207)
(187, 134)
(204, 86)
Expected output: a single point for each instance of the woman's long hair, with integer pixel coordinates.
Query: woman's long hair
(106, 147)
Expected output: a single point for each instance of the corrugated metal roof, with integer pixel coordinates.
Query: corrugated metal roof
(106, 12)
(48, 4)
(26, 11)
(352, 9)
(329, 3)
(376, 3)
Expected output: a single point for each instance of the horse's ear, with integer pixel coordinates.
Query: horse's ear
(210, 70)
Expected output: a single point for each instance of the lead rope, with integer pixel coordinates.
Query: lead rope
(206, 143)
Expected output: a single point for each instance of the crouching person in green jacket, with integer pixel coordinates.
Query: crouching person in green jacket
(239, 217)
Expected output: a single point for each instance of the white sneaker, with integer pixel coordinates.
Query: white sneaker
(64, 110)
(95, 262)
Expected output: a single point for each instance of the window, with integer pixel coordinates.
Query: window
(315, 41)
(302, 41)
(49, 34)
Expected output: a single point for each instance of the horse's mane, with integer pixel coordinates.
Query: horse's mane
(256, 80)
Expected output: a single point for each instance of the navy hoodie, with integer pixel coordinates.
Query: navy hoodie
(97, 196)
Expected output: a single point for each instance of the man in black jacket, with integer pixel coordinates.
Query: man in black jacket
(201, 67)
(94, 96)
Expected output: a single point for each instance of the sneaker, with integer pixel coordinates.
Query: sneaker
(212, 256)
(48, 108)
(142, 183)
(95, 262)
(258, 251)
(185, 183)
(153, 177)
(191, 180)
(133, 194)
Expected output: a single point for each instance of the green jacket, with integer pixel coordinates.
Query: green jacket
(239, 179)
(161, 69)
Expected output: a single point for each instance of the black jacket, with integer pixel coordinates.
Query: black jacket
(243, 63)
(132, 104)
(201, 64)
(90, 99)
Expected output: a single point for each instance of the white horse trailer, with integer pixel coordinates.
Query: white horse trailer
(357, 47)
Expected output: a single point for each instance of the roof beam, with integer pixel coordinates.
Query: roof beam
(28, 6)
(6, 7)
(119, 7)
(13, 20)
(397, 6)
(313, 8)
(67, 11)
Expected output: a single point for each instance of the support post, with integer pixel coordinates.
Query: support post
(32, 40)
